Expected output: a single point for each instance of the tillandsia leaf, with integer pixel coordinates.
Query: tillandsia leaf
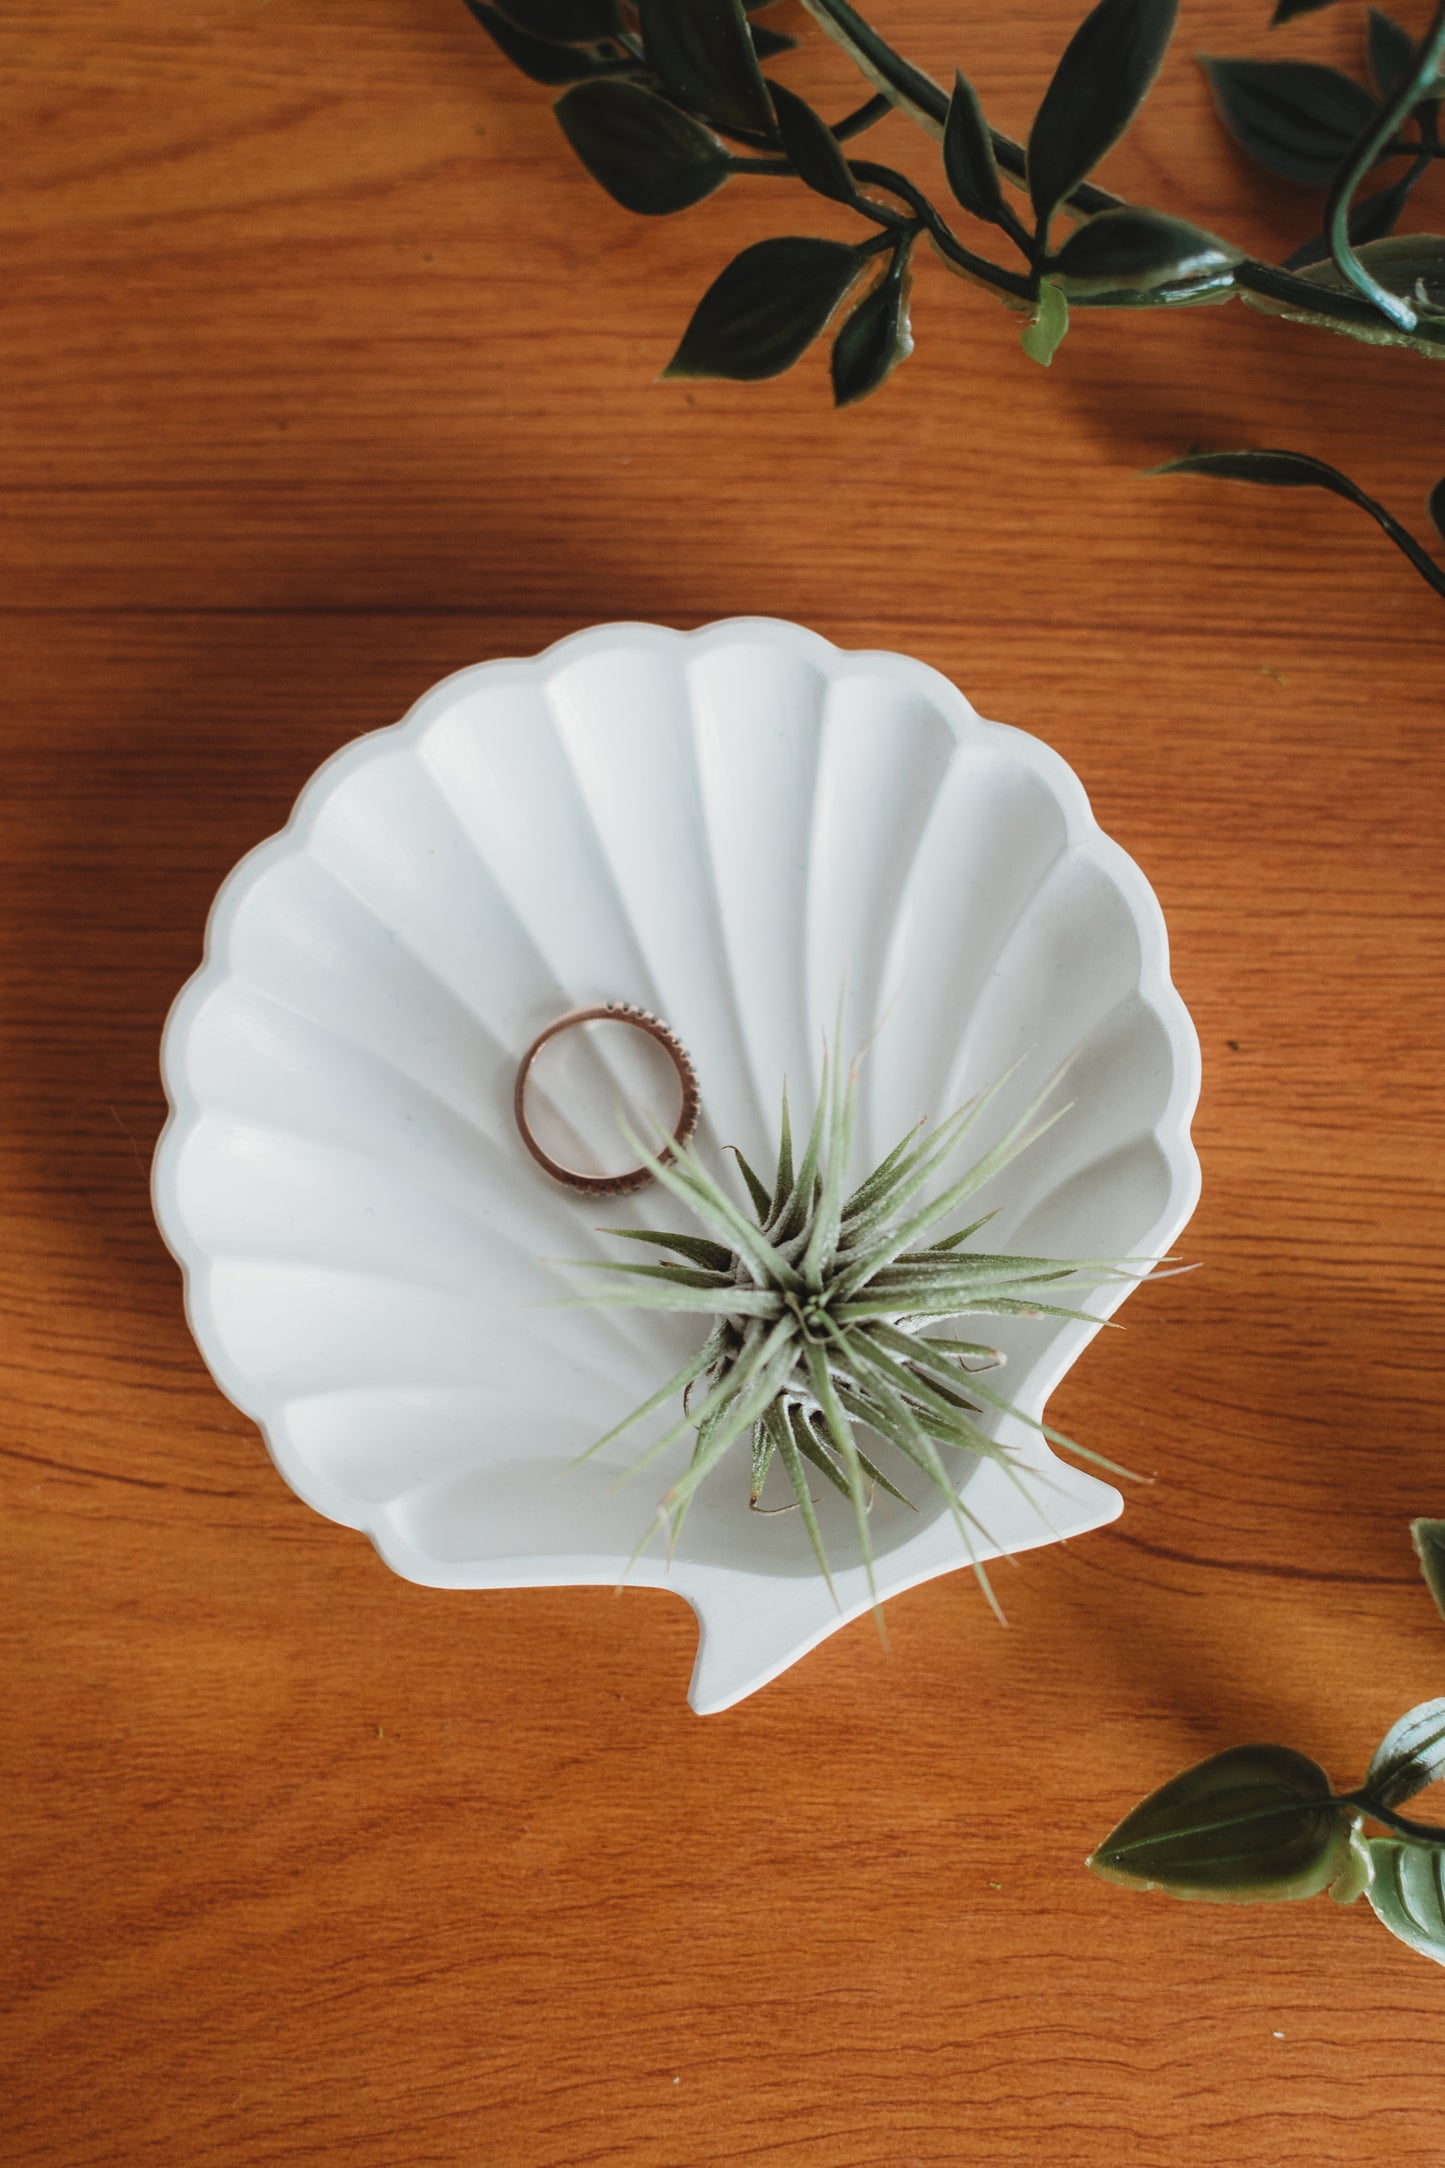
(709, 1353)
(1098, 86)
(783, 1185)
(1043, 334)
(1296, 470)
(909, 1166)
(765, 1446)
(563, 22)
(719, 1406)
(1025, 1131)
(648, 156)
(790, 1452)
(799, 1201)
(811, 148)
(686, 1177)
(1409, 1757)
(1407, 1892)
(704, 56)
(818, 1257)
(674, 1275)
(719, 1301)
(764, 311)
(840, 1431)
(1390, 52)
(757, 1190)
(811, 1445)
(1428, 1538)
(745, 1406)
(1252, 1825)
(968, 154)
(711, 1256)
(1137, 249)
(875, 335)
(543, 61)
(1296, 118)
(1287, 10)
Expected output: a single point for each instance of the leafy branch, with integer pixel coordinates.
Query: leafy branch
(1257, 1824)
(667, 100)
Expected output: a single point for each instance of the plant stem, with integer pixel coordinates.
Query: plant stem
(943, 236)
(926, 218)
(863, 116)
(1401, 1824)
(779, 169)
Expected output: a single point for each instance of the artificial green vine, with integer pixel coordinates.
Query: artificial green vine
(666, 100)
(1256, 1824)
(660, 91)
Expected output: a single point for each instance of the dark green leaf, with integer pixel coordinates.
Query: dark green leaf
(1134, 248)
(766, 308)
(875, 336)
(1282, 470)
(1250, 1825)
(703, 52)
(968, 158)
(1429, 1536)
(767, 44)
(1409, 1757)
(563, 22)
(1296, 118)
(1296, 470)
(1288, 9)
(545, 63)
(1407, 1891)
(1391, 52)
(1435, 505)
(1107, 67)
(1043, 334)
(646, 154)
(810, 146)
(1276, 469)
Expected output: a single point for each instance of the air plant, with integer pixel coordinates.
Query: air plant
(823, 1304)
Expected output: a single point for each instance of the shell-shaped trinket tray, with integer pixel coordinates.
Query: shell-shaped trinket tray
(725, 828)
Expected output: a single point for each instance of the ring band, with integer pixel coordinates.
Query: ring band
(610, 1012)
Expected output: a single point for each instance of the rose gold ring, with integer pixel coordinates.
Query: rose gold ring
(611, 1012)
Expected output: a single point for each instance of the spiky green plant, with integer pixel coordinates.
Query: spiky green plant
(821, 1304)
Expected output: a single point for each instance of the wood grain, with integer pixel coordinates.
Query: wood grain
(326, 371)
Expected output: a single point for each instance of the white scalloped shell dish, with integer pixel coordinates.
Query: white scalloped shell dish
(726, 828)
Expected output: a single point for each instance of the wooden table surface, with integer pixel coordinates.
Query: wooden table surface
(326, 371)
